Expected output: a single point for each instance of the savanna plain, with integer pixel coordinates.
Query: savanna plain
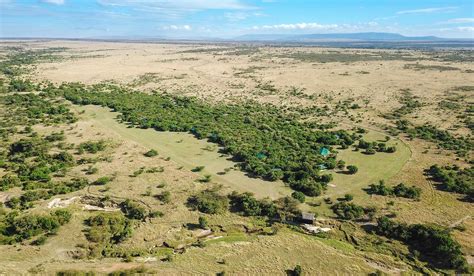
(234, 159)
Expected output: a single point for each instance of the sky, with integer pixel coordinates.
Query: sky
(232, 18)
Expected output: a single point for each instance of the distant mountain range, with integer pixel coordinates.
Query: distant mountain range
(336, 37)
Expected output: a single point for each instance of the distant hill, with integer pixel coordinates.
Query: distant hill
(372, 36)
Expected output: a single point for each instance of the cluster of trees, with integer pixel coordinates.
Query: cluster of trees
(16, 228)
(267, 142)
(15, 62)
(92, 146)
(400, 190)
(372, 147)
(31, 167)
(20, 85)
(454, 179)
(134, 210)
(37, 191)
(348, 210)
(283, 209)
(209, 202)
(106, 230)
(444, 139)
(433, 242)
(32, 109)
(409, 105)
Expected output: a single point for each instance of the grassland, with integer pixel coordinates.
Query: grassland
(332, 89)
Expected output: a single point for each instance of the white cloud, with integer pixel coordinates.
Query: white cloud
(55, 2)
(177, 28)
(459, 29)
(239, 16)
(179, 4)
(297, 26)
(428, 10)
(459, 20)
(465, 29)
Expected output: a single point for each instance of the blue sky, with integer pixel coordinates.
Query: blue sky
(229, 18)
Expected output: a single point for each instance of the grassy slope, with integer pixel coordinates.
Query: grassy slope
(190, 152)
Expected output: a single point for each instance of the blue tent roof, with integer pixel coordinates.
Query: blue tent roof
(324, 152)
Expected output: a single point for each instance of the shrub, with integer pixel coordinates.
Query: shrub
(107, 228)
(348, 197)
(103, 180)
(409, 192)
(308, 187)
(198, 169)
(92, 147)
(24, 227)
(133, 210)
(298, 196)
(348, 211)
(164, 197)
(207, 178)
(454, 179)
(156, 214)
(351, 169)
(297, 271)
(400, 190)
(431, 241)
(203, 222)
(151, 153)
(209, 202)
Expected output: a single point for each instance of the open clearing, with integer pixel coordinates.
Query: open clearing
(190, 152)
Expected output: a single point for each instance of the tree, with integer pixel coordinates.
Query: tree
(298, 196)
(348, 197)
(297, 271)
(209, 202)
(203, 223)
(352, 169)
(341, 164)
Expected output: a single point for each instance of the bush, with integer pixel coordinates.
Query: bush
(307, 186)
(351, 169)
(209, 202)
(151, 153)
(297, 271)
(24, 227)
(107, 228)
(401, 190)
(409, 192)
(198, 169)
(348, 211)
(298, 196)
(103, 180)
(164, 197)
(133, 210)
(431, 241)
(348, 197)
(92, 147)
(454, 179)
(203, 222)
